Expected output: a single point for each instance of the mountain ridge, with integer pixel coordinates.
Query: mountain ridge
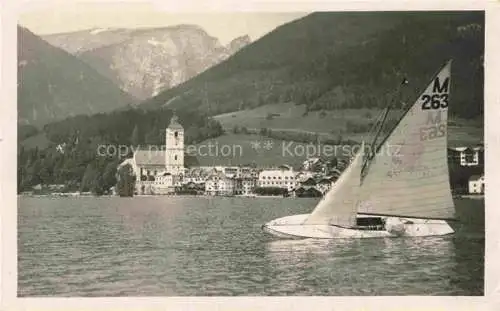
(53, 84)
(358, 63)
(145, 61)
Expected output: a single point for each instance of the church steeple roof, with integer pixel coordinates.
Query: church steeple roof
(174, 123)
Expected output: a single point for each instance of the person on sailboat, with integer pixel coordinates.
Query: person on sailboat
(394, 225)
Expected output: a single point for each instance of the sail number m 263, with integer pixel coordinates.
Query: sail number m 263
(439, 97)
(435, 101)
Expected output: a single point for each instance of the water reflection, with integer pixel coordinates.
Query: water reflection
(215, 246)
(361, 266)
(467, 275)
(282, 249)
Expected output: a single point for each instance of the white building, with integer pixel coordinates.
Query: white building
(249, 172)
(245, 185)
(164, 183)
(195, 176)
(282, 177)
(324, 184)
(303, 176)
(147, 162)
(218, 183)
(467, 156)
(476, 184)
(309, 164)
(159, 170)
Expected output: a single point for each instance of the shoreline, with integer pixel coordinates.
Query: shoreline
(472, 196)
(73, 195)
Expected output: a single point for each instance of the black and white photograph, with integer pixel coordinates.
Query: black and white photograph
(247, 153)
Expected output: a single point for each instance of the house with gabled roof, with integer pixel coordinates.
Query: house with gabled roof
(217, 183)
(467, 156)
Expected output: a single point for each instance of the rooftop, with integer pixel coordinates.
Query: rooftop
(150, 157)
(174, 123)
(476, 177)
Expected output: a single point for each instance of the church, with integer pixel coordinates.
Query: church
(160, 170)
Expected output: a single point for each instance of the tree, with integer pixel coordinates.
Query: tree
(190, 160)
(125, 181)
(21, 172)
(339, 139)
(86, 135)
(316, 138)
(193, 135)
(33, 173)
(332, 163)
(97, 185)
(135, 139)
(306, 111)
(260, 100)
(57, 172)
(46, 176)
(88, 178)
(152, 137)
(109, 175)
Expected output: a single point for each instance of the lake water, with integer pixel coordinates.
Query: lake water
(178, 246)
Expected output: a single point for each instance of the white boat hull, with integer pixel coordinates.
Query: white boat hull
(292, 227)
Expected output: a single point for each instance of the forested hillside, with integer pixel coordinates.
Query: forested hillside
(53, 84)
(333, 60)
(83, 152)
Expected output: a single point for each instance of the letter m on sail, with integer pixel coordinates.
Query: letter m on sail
(441, 87)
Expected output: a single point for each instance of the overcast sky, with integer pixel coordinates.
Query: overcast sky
(56, 16)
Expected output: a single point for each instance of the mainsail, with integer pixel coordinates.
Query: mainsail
(409, 175)
(339, 206)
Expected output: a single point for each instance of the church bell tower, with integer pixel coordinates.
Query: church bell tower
(174, 147)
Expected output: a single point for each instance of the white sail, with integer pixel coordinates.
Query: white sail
(339, 205)
(409, 175)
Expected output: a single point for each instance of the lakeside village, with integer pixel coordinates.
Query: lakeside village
(163, 172)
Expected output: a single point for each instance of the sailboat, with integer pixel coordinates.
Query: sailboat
(402, 189)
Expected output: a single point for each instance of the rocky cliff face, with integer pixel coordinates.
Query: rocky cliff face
(144, 62)
(238, 43)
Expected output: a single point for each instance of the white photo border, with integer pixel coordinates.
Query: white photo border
(8, 172)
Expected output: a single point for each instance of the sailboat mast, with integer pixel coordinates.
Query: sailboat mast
(382, 122)
(377, 127)
(386, 112)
